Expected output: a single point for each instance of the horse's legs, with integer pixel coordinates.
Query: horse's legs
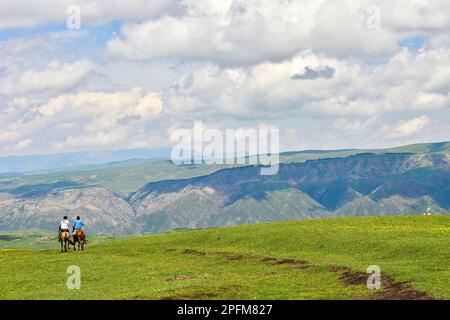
(62, 244)
(82, 246)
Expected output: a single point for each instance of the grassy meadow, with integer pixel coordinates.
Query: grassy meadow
(308, 259)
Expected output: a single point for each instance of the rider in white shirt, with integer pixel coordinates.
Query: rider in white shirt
(64, 225)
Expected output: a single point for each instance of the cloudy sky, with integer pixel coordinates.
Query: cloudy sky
(329, 73)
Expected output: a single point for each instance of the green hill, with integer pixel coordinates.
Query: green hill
(309, 259)
(124, 177)
(120, 177)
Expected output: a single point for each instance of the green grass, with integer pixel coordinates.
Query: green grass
(228, 263)
(38, 239)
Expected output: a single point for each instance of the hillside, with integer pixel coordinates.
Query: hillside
(310, 259)
(366, 184)
(126, 176)
(420, 148)
(121, 177)
(116, 198)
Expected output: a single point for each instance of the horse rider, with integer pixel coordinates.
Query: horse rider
(78, 225)
(64, 226)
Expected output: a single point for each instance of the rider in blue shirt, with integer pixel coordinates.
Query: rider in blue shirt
(78, 224)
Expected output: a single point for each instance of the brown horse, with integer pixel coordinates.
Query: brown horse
(80, 237)
(64, 238)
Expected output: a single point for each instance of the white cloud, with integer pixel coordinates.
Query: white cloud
(357, 126)
(311, 67)
(265, 89)
(408, 82)
(23, 13)
(81, 120)
(412, 126)
(247, 32)
(55, 76)
(104, 110)
(23, 144)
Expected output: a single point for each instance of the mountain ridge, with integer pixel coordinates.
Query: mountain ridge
(362, 184)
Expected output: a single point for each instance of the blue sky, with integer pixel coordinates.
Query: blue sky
(138, 70)
(413, 44)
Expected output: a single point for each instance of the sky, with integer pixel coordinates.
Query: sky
(329, 74)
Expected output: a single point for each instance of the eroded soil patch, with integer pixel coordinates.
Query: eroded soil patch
(390, 289)
(294, 262)
(193, 252)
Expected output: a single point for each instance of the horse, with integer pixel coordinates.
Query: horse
(80, 237)
(64, 238)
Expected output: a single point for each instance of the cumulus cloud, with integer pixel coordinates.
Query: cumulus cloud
(55, 76)
(84, 119)
(238, 32)
(23, 144)
(331, 72)
(407, 82)
(265, 89)
(412, 126)
(21, 13)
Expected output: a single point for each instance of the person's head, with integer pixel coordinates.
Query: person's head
(78, 218)
(65, 218)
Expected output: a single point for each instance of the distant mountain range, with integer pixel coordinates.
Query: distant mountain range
(142, 196)
(87, 160)
(64, 161)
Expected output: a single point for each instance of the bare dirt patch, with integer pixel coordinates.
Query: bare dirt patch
(193, 252)
(237, 258)
(201, 293)
(290, 261)
(268, 259)
(390, 289)
(295, 262)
